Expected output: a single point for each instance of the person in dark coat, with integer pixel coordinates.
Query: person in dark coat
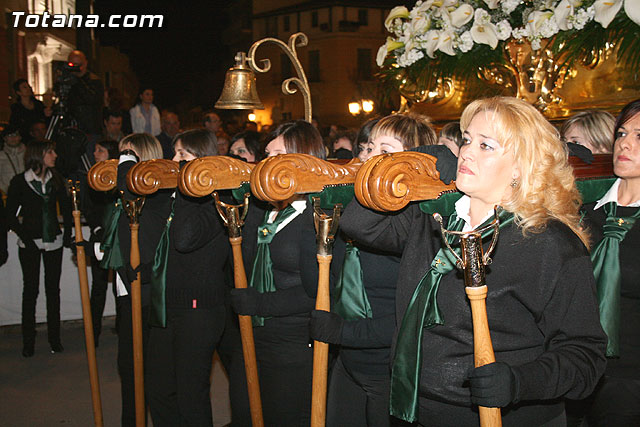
(541, 302)
(31, 213)
(281, 297)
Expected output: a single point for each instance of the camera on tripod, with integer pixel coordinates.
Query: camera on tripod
(65, 80)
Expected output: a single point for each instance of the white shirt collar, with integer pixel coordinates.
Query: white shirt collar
(29, 175)
(463, 206)
(612, 196)
(298, 205)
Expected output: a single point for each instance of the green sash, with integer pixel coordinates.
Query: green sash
(421, 313)
(159, 277)
(606, 270)
(49, 228)
(262, 273)
(111, 243)
(351, 301)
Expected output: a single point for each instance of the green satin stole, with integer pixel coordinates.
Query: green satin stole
(423, 312)
(49, 228)
(606, 270)
(111, 243)
(350, 301)
(262, 273)
(159, 277)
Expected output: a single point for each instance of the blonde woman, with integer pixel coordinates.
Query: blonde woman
(591, 129)
(541, 304)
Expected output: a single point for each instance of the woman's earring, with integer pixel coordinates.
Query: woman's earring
(514, 183)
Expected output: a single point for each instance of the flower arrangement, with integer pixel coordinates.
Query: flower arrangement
(441, 39)
(455, 27)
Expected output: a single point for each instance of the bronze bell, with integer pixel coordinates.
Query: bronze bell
(239, 91)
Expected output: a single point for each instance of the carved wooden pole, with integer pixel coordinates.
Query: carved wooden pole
(86, 310)
(279, 179)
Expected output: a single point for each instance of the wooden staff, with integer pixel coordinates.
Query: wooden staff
(202, 177)
(86, 310)
(279, 179)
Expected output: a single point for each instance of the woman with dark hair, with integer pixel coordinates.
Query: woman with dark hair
(615, 240)
(31, 213)
(451, 137)
(279, 252)
(541, 302)
(27, 109)
(362, 147)
(187, 301)
(145, 116)
(247, 145)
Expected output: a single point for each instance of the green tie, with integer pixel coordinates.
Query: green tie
(159, 278)
(262, 274)
(351, 301)
(606, 270)
(48, 227)
(421, 313)
(111, 243)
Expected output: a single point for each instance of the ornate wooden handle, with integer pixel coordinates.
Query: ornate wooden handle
(390, 181)
(279, 178)
(602, 166)
(103, 176)
(153, 175)
(201, 177)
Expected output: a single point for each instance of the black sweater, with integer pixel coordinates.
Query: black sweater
(153, 218)
(295, 266)
(21, 194)
(541, 307)
(628, 365)
(366, 343)
(198, 251)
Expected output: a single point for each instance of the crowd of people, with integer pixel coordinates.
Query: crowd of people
(562, 285)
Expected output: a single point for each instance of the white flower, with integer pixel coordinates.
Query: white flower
(503, 29)
(493, 4)
(409, 57)
(582, 17)
(420, 24)
(540, 22)
(520, 33)
(445, 42)
(381, 55)
(563, 14)
(461, 15)
(431, 44)
(465, 42)
(535, 44)
(396, 12)
(509, 6)
(606, 10)
(632, 9)
(483, 31)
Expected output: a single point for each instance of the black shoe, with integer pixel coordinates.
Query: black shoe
(57, 348)
(27, 350)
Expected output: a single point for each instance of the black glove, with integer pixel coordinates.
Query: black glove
(580, 151)
(88, 246)
(145, 271)
(493, 385)
(67, 242)
(246, 301)
(326, 327)
(30, 244)
(446, 163)
(4, 255)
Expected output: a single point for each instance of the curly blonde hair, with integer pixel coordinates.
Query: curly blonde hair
(411, 129)
(546, 189)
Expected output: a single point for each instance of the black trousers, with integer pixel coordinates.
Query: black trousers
(615, 403)
(178, 366)
(357, 399)
(125, 356)
(99, 284)
(285, 368)
(30, 264)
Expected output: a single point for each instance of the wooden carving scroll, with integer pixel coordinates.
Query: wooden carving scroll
(153, 175)
(203, 176)
(279, 178)
(389, 182)
(103, 176)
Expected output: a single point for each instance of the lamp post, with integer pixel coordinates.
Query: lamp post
(239, 91)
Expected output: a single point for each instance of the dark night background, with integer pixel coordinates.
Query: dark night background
(185, 60)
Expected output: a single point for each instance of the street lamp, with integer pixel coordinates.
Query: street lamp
(364, 106)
